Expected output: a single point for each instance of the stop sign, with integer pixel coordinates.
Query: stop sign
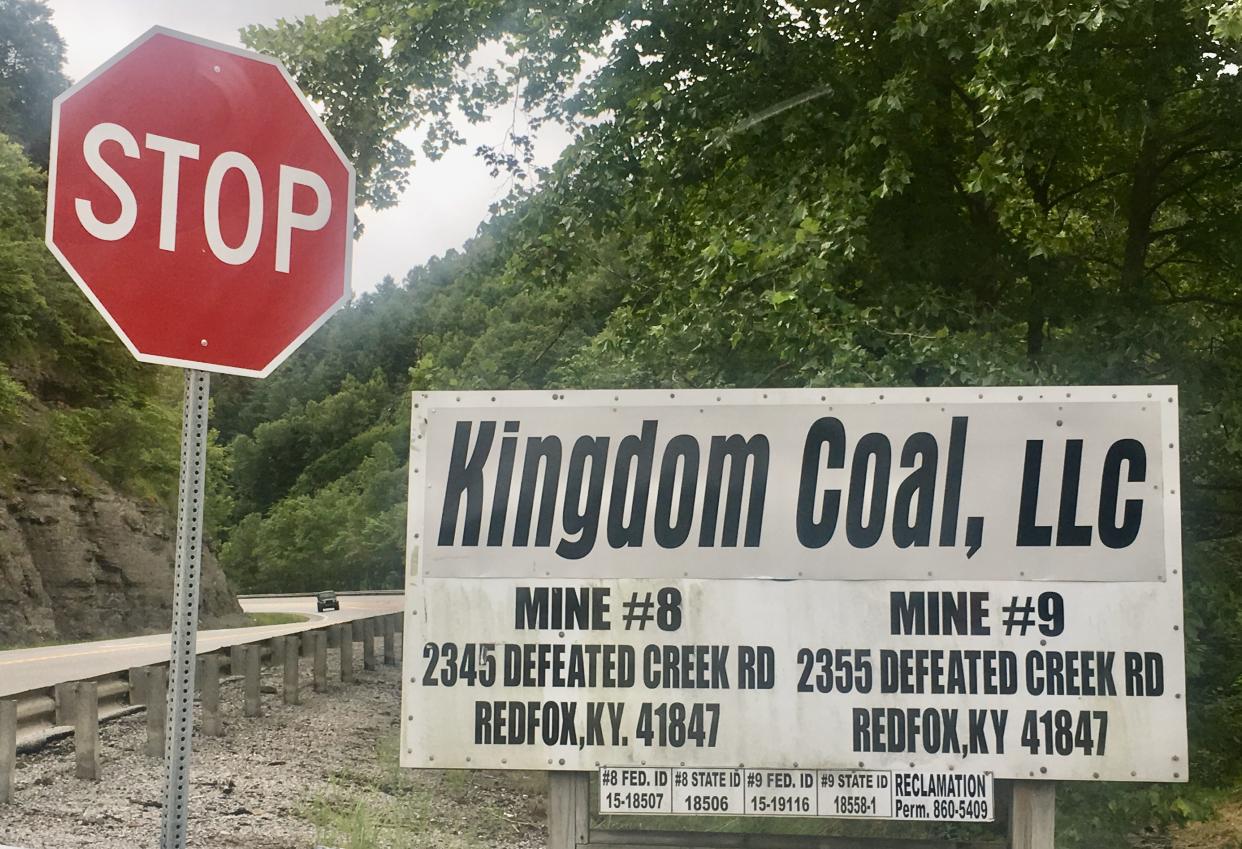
(200, 204)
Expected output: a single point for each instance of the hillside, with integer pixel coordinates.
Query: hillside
(88, 437)
(766, 194)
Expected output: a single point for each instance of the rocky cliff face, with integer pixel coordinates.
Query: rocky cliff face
(77, 566)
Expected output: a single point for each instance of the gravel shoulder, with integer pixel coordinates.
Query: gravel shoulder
(320, 773)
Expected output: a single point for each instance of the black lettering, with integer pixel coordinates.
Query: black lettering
(814, 531)
(739, 453)
(465, 476)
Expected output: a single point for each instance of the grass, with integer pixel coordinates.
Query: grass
(378, 805)
(259, 619)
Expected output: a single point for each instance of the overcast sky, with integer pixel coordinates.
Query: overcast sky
(445, 201)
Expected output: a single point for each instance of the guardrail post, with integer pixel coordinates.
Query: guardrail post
(321, 661)
(237, 660)
(86, 730)
(334, 636)
(368, 645)
(8, 748)
(390, 642)
(63, 694)
(139, 685)
(157, 710)
(278, 650)
(254, 705)
(398, 626)
(307, 644)
(347, 652)
(1032, 817)
(568, 809)
(209, 678)
(291, 671)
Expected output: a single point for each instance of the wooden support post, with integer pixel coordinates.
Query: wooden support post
(8, 748)
(254, 702)
(347, 653)
(334, 636)
(157, 710)
(569, 809)
(1032, 816)
(368, 645)
(139, 685)
(306, 641)
(390, 642)
(321, 661)
(278, 650)
(291, 671)
(86, 730)
(209, 684)
(237, 660)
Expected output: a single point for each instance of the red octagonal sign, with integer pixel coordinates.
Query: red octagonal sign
(200, 203)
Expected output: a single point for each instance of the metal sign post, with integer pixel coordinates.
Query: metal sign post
(179, 725)
(239, 311)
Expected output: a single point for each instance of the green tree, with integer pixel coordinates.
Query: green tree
(786, 193)
(32, 56)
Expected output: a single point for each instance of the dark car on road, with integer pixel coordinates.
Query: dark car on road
(327, 600)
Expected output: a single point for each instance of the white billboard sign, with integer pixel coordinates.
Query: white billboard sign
(981, 580)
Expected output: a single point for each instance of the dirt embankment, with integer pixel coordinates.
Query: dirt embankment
(79, 566)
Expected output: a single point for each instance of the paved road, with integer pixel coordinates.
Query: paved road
(30, 669)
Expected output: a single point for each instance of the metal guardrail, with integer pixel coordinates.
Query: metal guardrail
(44, 714)
(29, 720)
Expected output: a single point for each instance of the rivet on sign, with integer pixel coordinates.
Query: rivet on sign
(203, 342)
(562, 633)
(562, 761)
(860, 763)
(1096, 774)
(1133, 773)
(1176, 758)
(1176, 775)
(1043, 769)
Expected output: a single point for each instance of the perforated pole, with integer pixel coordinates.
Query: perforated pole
(180, 720)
